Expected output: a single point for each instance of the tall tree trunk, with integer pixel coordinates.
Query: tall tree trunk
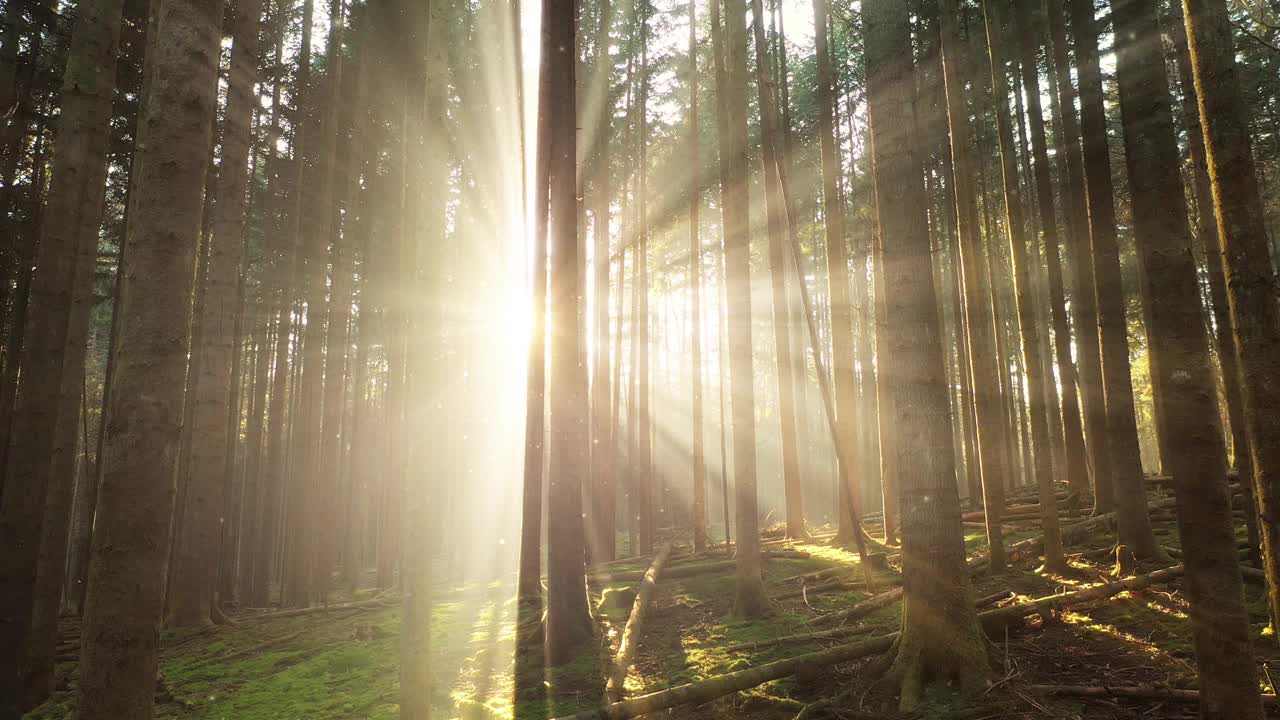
(751, 600)
(568, 622)
(1031, 31)
(940, 640)
(776, 213)
(1134, 527)
(1033, 364)
(979, 318)
(1242, 232)
(41, 464)
(695, 296)
(126, 584)
(1084, 301)
(1219, 620)
(842, 349)
(1206, 239)
(196, 548)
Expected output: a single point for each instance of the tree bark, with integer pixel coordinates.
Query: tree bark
(940, 639)
(1242, 232)
(1180, 353)
(1126, 462)
(1038, 385)
(126, 583)
(45, 420)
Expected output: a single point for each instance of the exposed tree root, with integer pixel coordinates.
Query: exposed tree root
(635, 624)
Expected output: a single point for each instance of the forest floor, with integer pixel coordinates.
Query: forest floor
(342, 664)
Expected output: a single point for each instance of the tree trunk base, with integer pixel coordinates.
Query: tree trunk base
(919, 663)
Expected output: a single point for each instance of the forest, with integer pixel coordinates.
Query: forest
(568, 359)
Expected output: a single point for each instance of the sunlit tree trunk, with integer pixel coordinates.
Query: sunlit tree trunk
(751, 600)
(842, 350)
(1037, 387)
(1242, 232)
(1083, 292)
(1126, 463)
(699, 520)
(1031, 33)
(1206, 239)
(979, 320)
(123, 610)
(940, 640)
(1219, 620)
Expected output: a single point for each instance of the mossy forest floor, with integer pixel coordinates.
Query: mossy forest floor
(343, 664)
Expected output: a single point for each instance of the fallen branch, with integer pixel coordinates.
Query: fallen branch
(631, 634)
(1140, 692)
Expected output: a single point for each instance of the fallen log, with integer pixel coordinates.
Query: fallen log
(714, 687)
(1072, 533)
(372, 604)
(635, 623)
(839, 632)
(1138, 692)
(689, 569)
(818, 589)
(994, 621)
(866, 607)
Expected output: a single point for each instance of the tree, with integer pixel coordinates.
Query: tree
(1180, 344)
(940, 639)
(1242, 232)
(196, 548)
(1037, 384)
(568, 622)
(1133, 525)
(1083, 292)
(751, 600)
(842, 349)
(695, 297)
(126, 579)
(979, 318)
(778, 227)
(1030, 30)
(41, 464)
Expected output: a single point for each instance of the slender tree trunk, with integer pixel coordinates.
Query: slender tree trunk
(1126, 463)
(1242, 232)
(196, 548)
(1031, 31)
(751, 600)
(979, 317)
(940, 640)
(1033, 365)
(1219, 620)
(1083, 292)
(123, 609)
(568, 623)
(695, 295)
